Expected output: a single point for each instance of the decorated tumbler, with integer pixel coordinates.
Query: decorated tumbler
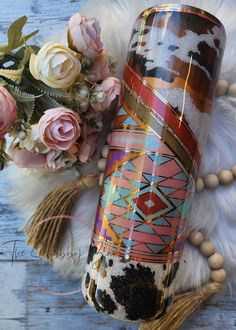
(170, 77)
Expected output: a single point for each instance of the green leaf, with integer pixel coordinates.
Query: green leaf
(25, 110)
(2, 82)
(27, 53)
(1, 55)
(29, 36)
(25, 103)
(13, 75)
(15, 37)
(21, 52)
(15, 32)
(47, 102)
(20, 95)
(52, 92)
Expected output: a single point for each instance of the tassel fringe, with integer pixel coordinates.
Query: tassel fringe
(46, 235)
(184, 305)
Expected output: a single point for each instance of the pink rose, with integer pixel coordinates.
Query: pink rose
(88, 148)
(84, 35)
(26, 159)
(100, 69)
(8, 111)
(111, 88)
(57, 159)
(53, 160)
(59, 128)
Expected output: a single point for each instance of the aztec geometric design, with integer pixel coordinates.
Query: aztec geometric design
(145, 197)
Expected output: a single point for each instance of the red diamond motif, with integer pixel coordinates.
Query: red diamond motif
(149, 198)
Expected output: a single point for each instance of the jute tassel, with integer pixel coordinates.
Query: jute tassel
(46, 236)
(184, 305)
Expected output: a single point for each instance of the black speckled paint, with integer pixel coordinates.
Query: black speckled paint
(171, 275)
(105, 301)
(136, 291)
(103, 261)
(166, 304)
(92, 251)
(102, 301)
(87, 280)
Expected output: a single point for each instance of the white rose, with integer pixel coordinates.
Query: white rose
(56, 65)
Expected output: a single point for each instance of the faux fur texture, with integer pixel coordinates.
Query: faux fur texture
(213, 212)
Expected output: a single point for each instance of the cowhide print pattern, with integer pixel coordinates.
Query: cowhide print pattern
(179, 55)
(128, 290)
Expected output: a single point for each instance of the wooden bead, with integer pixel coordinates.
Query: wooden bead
(233, 170)
(105, 151)
(109, 138)
(218, 275)
(211, 181)
(221, 88)
(101, 164)
(196, 238)
(200, 185)
(215, 261)
(101, 178)
(225, 177)
(207, 248)
(232, 90)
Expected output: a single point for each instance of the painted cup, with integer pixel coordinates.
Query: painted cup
(170, 77)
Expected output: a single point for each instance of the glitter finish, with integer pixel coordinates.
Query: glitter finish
(170, 77)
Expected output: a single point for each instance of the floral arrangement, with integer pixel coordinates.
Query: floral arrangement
(54, 100)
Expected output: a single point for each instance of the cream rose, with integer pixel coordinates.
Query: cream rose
(84, 35)
(8, 111)
(56, 65)
(59, 128)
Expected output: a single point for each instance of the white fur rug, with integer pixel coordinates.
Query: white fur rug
(214, 212)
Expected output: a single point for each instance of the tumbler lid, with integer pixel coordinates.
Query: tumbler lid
(184, 9)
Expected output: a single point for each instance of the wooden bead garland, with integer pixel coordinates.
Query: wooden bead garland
(105, 151)
(200, 185)
(225, 177)
(221, 88)
(101, 178)
(233, 170)
(215, 260)
(232, 90)
(101, 164)
(212, 181)
(196, 238)
(219, 275)
(207, 248)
